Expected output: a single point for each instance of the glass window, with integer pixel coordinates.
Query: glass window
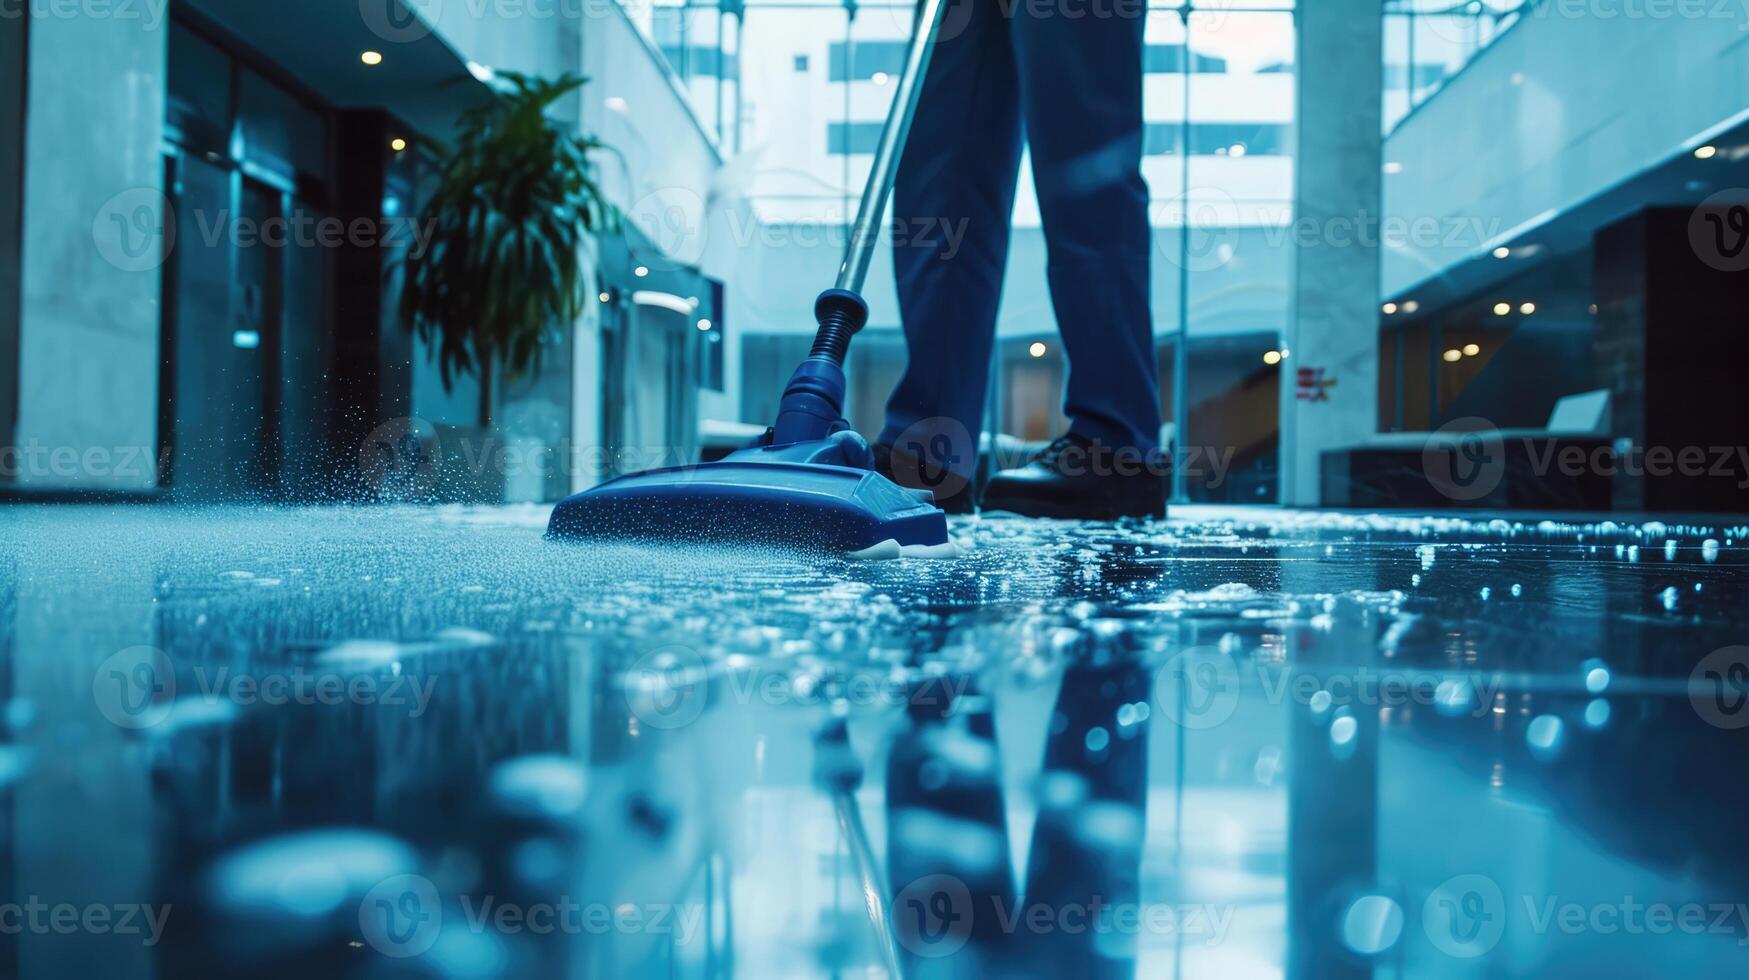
(280, 133)
(199, 108)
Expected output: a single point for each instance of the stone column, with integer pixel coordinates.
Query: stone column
(94, 238)
(1330, 388)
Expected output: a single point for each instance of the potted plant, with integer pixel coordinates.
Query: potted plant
(515, 201)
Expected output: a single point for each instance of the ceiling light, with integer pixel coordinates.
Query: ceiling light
(1272, 357)
(704, 326)
(1527, 309)
(880, 78)
(1706, 152)
(1502, 252)
(1037, 349)
(606, 297)
(1389, 308)
(1453, 356)
(483, 73)
(1236, 150)
(397, 144)
(1410, 306)
(641, 271)
(1501, 309)
(1471, 350)
(371, 58)
(614, 103)
(1393, 167)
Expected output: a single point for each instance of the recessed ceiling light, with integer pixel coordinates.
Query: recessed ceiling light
(397, 144)
(1410, 306)
(1272, 357)
(1527, 309)
(1471, 350)
(704, 326)
(1502, 252)
(1037, 349)
(1706, 152)
(1501, 309)
(641, 271)
(1236, 150)
(371, 58)
(1389, 308)
(606, 297)
(880, 78)
(1453, 356)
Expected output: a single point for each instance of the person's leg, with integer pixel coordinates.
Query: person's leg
(954, 201)
(1081, 96)
(1086, 849)
(948, 860)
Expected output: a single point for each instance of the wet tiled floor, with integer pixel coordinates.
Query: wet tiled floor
(404, 742)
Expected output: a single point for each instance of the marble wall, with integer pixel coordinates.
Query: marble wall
(94, 221)
(12, 41)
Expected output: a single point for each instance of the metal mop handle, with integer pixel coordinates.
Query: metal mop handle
(885, 170)
(813, 404)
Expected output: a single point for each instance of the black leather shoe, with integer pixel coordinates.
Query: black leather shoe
(1078, 479)
(953, 493)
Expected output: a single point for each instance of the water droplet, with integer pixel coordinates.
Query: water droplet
(1546, 736)
(1372, 924)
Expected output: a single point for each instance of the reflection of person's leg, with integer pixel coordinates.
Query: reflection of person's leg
(1081, 93)
(1085, 862)
(948, 859)
(954, 201)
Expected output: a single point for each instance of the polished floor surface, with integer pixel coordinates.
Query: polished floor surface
(416, 742)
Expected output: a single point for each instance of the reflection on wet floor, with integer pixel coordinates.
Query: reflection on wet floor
(387, 742)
